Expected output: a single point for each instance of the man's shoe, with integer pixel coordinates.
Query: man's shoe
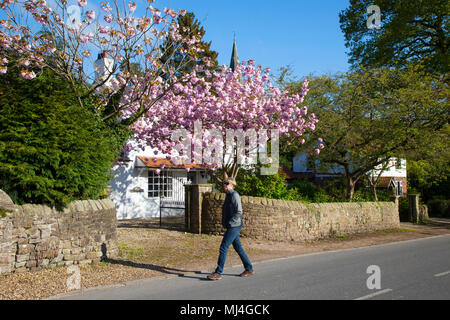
(214, 276)
(247, 273)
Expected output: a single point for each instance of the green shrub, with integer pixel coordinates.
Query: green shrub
(308, 191)
(439, 208)
(257, 185)
(52, 151)
(251, 183)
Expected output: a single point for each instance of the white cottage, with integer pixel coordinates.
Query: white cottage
(147, 186)
(392, 174)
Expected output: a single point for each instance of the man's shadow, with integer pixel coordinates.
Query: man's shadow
(167, 270)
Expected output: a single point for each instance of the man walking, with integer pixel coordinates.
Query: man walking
(232, 221)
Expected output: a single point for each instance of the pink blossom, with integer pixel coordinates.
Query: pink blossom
(317, 151)
(82, 3)
(170, 12)
(105, 29)
(321, 146)
(157, 172)
(3, 69)
(130, 31)
(114, 82)
(243, 99)
(108, 18)
(29, 75)
(5, 42)
(85, 38)
(90, 14)
(106, 7)
(24, 62)
(157, 16)
(132, 6)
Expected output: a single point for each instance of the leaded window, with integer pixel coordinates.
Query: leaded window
(160, 185)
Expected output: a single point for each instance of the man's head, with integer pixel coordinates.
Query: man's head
(229, 184)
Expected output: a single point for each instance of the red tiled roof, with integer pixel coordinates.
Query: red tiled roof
(153, 162)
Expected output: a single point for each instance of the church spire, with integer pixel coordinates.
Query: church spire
(234, 56)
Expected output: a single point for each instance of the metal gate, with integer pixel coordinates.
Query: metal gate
(174, 200)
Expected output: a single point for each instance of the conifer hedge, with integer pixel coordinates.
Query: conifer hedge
(52, 151)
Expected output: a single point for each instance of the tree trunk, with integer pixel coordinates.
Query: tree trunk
(350, 184)
(350, 189)
(374, 191)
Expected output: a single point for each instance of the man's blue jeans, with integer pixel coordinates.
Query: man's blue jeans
(231, 236)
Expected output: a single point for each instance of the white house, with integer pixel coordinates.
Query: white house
(147, 186)
(394, 175)
(393, 172)
(303, 164)
(104, 67)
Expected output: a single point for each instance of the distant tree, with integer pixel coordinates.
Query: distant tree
(411, 32)
(429, 169)
(177, 53)
(369, 116)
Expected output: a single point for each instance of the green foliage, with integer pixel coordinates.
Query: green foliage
(439, 208)
(310, 192)
(52, 151)
(185, 62)
(411, 32)
(429, 169)
(251, 183)
(369, 116)
(257, 185)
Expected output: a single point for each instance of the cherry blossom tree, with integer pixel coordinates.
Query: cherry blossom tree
(209, 108)
(66, 36)
(139, 90)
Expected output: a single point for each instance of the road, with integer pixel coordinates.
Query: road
(416, 269)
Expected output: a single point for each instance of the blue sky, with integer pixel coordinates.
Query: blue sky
(302, 33)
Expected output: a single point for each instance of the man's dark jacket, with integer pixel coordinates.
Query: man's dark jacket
(232, 210)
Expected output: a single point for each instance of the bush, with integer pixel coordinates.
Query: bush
(439, 208)
(308, 191)
(256, 185)
(52, 151)
(251, 183)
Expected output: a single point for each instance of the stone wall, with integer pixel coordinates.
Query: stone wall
(280, 220)
(35, 236)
